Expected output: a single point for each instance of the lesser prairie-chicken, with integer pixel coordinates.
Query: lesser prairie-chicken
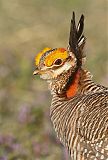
(79, 108)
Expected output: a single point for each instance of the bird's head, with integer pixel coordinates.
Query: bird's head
(51, 63)
(59, 63)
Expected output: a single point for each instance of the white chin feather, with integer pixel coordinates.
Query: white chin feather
(54, 73)
(62, 69)
(45, 76)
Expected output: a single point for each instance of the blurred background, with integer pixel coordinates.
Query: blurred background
(26, 27)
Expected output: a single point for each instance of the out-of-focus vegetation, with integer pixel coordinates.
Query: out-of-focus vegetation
(26, 26)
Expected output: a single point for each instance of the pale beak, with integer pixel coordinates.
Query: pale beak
(36, 72)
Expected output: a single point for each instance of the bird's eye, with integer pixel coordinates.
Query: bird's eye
(58, 61)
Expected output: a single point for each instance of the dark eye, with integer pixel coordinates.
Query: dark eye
(58, 61)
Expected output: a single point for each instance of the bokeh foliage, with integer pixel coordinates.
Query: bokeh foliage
(26, 26)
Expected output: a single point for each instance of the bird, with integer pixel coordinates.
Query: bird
(79, 107)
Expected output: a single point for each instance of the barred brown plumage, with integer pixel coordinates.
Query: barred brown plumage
(82, 123)
(79, 108)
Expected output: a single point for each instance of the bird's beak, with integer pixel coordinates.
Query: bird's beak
(36, 72)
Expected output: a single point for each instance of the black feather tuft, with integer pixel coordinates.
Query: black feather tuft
(77, 39)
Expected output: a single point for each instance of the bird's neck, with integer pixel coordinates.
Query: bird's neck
(73, 84)
(66, 84)
(70, 84)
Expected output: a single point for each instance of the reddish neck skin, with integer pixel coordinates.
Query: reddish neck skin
(74, 86)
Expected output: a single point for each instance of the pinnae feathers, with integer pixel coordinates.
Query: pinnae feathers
(80, 27)
(77, 39)
(80, 35)
(73, 32)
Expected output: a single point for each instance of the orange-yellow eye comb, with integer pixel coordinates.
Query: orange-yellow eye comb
(39, 55)
(59, 53)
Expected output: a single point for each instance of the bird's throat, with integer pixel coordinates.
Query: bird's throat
(73, 86)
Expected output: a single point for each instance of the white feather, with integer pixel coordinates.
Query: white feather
(62, 69)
